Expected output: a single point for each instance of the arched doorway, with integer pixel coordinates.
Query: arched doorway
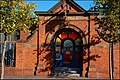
(67, 49)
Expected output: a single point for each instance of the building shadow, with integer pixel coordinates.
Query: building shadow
(93, 40)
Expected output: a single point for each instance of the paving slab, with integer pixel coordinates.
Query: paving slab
(47, 78)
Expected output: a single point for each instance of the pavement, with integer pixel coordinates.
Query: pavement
(50, 78)
(43, 78)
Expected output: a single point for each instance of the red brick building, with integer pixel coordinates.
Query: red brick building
(66, 37)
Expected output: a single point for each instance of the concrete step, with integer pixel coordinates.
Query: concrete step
(73, 72)
(66, 71)
(73, 75)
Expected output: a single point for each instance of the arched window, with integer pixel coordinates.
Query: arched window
(67, 48)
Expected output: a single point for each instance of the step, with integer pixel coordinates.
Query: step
(73, 72)
(73, 75)
(66, 71)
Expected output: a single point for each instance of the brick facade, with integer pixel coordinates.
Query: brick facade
(37, 48)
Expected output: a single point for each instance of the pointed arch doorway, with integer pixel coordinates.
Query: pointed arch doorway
(67, 48)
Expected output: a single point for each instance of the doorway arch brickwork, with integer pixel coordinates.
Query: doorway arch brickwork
(67, 49)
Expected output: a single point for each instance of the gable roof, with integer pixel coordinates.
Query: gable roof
(72, 3)
(56, 6)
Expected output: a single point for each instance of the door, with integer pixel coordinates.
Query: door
(68, 49)
(68, 52)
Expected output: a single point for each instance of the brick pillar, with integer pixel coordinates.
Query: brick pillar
(19, 53)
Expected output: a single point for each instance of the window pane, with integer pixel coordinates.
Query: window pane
(63, 35)
(10, 54)
(13, 37)
(1, 48)
(1, 37)
(72, 35)
(77, 50)
(68, 45)
(9, 38)
(58, 41)
(58, 48)
(77, 41)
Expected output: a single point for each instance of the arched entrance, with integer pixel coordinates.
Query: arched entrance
(67, 49)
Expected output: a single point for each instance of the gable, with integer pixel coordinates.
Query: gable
(64, 5)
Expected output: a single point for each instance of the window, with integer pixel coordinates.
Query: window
(10, 49)
(68, 46)
(10, 54)
(77, 42)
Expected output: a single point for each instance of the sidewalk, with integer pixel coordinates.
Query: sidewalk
(43, 78)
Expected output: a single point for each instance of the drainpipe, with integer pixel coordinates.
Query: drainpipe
(37, 52)
(86, 75)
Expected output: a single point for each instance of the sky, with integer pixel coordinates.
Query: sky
(44, 5)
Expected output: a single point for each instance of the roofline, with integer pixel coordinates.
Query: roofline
(60, 3)
(72, 1)
(54, 13)
(55, 6)
(43, 13)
